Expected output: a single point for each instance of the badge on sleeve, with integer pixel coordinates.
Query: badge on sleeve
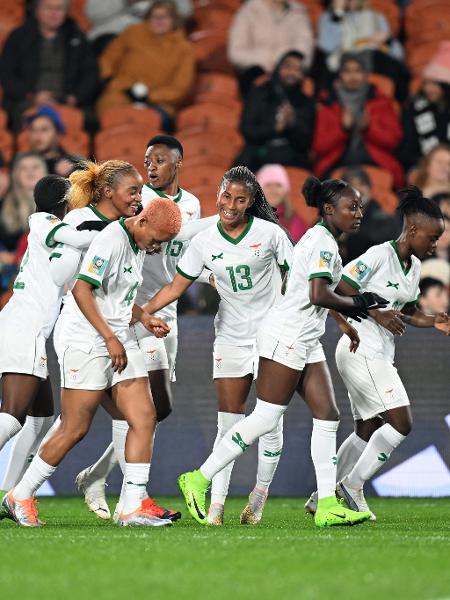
(52, 219)
(360, 270)
(98, 265)
(325, 259)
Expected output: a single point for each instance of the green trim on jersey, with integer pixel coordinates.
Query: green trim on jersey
(323, 224)
(130, 239)
(284, 265)
(412, 304)
(161, 194)
(393, 243)
(98, 213)
(93, 282)
(49, 242)
(324, 275)
(347, 279)
(240, 237)
(183, 274)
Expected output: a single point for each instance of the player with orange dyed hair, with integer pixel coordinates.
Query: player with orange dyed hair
(100, 354)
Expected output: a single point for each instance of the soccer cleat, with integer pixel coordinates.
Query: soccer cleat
(94, 494)
(23, 512)
(311, 504)
(354, 498)
(331, 513)
(161, 512)
(193, 485)
(143, 516)
(215, 514)
(252, 513)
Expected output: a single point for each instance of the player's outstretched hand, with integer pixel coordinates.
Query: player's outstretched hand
(157, 326)
(117, 353)
(442, 323)
(391, 320)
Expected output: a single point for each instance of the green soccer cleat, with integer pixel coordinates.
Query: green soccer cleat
(193, 485)
(331, 513)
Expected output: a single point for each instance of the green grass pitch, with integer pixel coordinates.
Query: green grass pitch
(405, 554)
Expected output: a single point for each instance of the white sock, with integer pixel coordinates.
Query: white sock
(323, 454)
(100, 470)
(348, 454)
(119, 436)
(136, 479)
(38, 472)
(9, 426)
(24, 448)
(221, 481)
(263, 419)
(269, 451)
(378, 450)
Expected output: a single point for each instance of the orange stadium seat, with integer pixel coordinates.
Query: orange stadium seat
(210, 49)
(208, 115)
(201, 176)
(213, 144)
(12, 16)
(420, 56)
(315, 9)
(297, 178)
(382, 185)
(140, 118)
(207, 194)
(77, 12)
(124, 144)
(213, 16)
(3, 119)
(213, 158)
(218, 88)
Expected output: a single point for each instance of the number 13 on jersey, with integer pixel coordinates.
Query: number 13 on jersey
(240, 278)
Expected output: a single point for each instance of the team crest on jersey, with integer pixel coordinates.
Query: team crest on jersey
(325, 259)
(256, 249)
(98, 265)
(360, 270)
(52, 219)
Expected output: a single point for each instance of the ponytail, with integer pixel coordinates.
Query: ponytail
(413, 202)
(317, 193)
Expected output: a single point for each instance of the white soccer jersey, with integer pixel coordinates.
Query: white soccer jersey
(113, 265)
(160, 269)
(36, 299)
(294, 316)
(245, 271)
(381, 270)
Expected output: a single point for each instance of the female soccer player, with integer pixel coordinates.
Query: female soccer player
(291, 355)
(379, 402)
(245, 251)
(100, 355)
(25, 324)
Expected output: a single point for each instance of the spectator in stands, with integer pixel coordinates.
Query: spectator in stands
(349, 26)
(278, 118)
(356, 124)
(434, 296)
(48, 59)
(262, 32)
(18, 203)
(45, 130)
(377, 226)
(155, 54)
(426, 118)
(443, 243)
(275, 183)
(433, 173)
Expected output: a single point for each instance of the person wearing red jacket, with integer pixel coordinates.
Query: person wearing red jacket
(356, 124)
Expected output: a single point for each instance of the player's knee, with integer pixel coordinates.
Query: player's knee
(76, 434)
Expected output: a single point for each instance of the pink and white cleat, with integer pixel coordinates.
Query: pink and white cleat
(23, 512)
(143, 516)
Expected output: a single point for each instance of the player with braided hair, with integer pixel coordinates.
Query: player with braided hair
(291, 355)
(247, 252)
(378, 399)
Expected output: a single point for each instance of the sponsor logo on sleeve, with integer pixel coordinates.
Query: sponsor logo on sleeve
(360, 270)
(98, 265)
(52, 219)
(325, 259)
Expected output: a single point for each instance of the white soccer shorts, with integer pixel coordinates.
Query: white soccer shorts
(234, 361)
(294, 355)
(87, 371)
(159, 353)
(22, 351)
(373, 384)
